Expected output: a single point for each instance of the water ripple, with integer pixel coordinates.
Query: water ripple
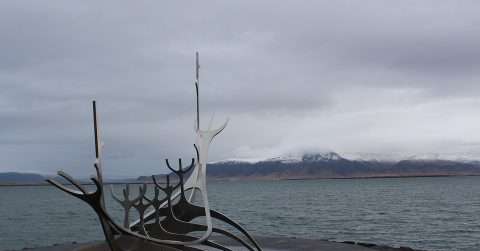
(426, 213)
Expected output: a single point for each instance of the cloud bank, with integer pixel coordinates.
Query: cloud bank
(355, 77)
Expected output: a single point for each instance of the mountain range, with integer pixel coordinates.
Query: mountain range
(14, 178)
(304, 166)
(332, 165)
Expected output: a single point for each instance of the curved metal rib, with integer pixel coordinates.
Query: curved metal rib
(72, 181)
(183, 208)
(141, 208)
(127, 203)
(65, 189)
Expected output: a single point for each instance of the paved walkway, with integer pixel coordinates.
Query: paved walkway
(290, 244)
(267, 243)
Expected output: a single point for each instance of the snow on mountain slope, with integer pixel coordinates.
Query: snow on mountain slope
(290, 158)
(371, 157)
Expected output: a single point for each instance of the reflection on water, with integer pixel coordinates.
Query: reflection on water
(428, 213)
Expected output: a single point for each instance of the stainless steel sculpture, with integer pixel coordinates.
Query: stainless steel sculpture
(168, 222)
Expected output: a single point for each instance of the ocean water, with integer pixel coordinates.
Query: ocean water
(427, 213)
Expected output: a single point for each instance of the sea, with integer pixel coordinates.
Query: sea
(428, 213)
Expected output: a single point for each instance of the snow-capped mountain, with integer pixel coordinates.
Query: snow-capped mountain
(395, 157)
(328, 156)
(289, 158)
(333, 165)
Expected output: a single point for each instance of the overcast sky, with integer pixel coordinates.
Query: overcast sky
(361, 78)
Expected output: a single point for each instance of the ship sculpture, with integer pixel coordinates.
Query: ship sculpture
(168, 219)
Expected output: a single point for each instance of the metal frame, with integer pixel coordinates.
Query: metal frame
(165, 223)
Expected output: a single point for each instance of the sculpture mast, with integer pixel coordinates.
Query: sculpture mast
(197, 68)
(98, 148)
(197, 181)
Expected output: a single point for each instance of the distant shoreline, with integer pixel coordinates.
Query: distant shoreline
(389, 177)
(83, 184)
(307, 167)
(264, 179)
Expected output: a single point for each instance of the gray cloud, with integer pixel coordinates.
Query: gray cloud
(350, 76)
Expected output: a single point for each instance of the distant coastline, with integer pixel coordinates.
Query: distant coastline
(240, 179)
(305, 167)
(85, 184)
(388, 177)
(333, 166)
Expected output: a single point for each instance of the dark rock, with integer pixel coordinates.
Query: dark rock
(368, 245)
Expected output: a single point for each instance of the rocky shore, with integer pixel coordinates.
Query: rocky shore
(267, 243)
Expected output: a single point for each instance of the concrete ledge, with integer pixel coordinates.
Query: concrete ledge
(267, 243)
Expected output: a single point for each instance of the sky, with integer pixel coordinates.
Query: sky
(366, 79)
